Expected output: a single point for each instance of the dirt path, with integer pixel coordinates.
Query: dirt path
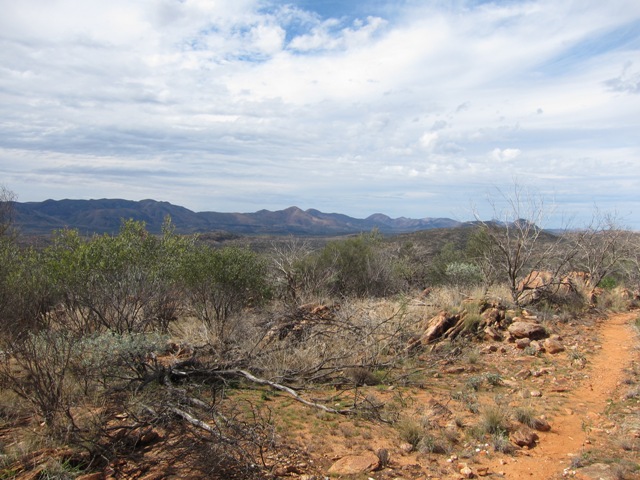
(582, 407)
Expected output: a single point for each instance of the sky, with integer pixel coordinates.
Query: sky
(409, 108)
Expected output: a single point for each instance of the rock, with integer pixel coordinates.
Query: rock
(524, 373)
(523, 343)
(533, 331)
(489, 349)
(483, 471)
(454, 370)
(535, 344)
(541, 425)
(91, 476)
(406, 447)
(524, 437)
(597, 471)
(492, 316)
(491, 333)
(535, 393)
(437, 326)
(355, 464)
(553, 346)
(466, 472)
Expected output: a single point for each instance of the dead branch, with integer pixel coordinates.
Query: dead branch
(290, 391)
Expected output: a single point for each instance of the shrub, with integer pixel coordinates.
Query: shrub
(358, 266)
(494, 420)
(42, 377)
(411, 431)
(221, 282)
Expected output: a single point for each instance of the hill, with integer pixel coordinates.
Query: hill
(106, 215)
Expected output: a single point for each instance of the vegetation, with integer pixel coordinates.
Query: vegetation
(109, 340)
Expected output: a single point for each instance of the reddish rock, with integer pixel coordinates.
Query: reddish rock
(533, 331)
(553, 345)
(355, 464)
(524, 437)
(437, 326)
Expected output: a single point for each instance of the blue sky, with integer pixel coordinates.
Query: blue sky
(409, 108)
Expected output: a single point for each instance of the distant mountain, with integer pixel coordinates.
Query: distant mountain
(106, 215)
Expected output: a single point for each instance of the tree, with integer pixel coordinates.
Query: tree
(358, 266)
(7, 210)
(602, 247)
(287, 260)
(515, 242)
(221, 282)
(121, 283)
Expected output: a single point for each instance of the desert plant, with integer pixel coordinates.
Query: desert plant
(410, 431)
(494, 420)
(359, 266)
(221, 282)
(525, 415)
(43, 360)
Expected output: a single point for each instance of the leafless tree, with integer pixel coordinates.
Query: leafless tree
(602, 247)
(516, 240)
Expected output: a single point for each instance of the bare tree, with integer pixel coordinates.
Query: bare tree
(602, 246)
(516, 242)
(286, 259)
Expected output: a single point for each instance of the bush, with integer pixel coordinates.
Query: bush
(359, 267)
(219, 283)
(463, 274)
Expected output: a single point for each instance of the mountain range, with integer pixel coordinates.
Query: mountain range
(106, 216)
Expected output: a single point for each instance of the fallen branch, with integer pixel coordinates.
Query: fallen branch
(290, 391)
(200, 424)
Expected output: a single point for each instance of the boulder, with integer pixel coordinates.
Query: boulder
(533, 331)
(355, 464)
(553, 345)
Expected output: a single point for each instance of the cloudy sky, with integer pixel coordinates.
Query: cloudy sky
(405, 107)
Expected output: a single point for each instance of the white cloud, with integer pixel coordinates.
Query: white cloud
(505, 155)
(268, 101)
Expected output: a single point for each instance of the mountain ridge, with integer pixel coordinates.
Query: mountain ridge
(106, 215)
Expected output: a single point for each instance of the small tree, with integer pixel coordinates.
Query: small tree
(122, 283)
(358, 266)
(515, 242)
(287, 260)
(602, 247)
(7, 210)
(221, 282)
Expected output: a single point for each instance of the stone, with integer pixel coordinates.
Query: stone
(355, 464)
(533, 331)
(535, 393)
(437, 326)
(466, 472)
(597, 471)
(91, 476)
(406, 447)
(523, 343)
(553, 346)
(541, 425)
(524, 437)
(490, 333)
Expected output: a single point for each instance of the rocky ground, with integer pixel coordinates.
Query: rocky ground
(514, 405)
